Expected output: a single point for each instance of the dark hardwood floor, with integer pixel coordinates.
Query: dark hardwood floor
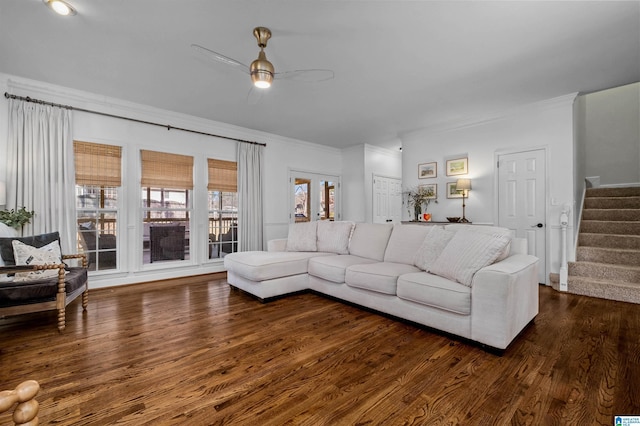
(193, 351)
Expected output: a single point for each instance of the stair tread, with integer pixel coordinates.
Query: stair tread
(612, 249)
(607, 221)
(612, 265)
(601, 234)
(605, 281)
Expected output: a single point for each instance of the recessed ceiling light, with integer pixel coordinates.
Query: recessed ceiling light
(60, 7)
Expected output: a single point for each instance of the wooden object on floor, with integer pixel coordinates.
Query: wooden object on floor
(62, 297)
(193, 351)
(25, 412)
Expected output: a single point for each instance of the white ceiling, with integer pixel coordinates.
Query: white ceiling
(400, 66)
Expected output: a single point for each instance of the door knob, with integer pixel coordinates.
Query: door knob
(539, 225)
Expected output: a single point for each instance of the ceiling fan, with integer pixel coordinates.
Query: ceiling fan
(262, 71)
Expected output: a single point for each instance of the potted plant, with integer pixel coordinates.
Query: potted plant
(418, 197)
(16, 218)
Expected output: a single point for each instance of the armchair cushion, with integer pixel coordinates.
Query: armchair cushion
(6, 246)
(42, 290)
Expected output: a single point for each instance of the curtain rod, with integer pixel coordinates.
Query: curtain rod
(168, 127)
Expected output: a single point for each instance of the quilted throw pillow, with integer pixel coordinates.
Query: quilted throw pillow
(466, 253)
(433, 244)
(28, 255)
(333, 237)
(302, 237)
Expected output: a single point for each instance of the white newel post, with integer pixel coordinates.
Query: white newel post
(564, 271)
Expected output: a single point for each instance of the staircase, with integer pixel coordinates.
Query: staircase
(608, 255)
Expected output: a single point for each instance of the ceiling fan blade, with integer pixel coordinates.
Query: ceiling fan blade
(306, 75)
(215, 56)
(254, 96)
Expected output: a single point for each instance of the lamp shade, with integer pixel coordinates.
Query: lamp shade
(3, 193)
(463, 184)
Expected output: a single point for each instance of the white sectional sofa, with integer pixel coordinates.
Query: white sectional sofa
(472, 281)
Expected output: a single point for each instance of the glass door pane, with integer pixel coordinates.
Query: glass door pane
(302, 197)
(315, 197)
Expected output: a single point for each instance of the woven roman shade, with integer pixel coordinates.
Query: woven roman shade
(163, 170)
(223, 175)
(97, 164)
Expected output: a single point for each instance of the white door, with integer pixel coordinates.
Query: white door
(521, 200)
(387, 199)
(314, 197)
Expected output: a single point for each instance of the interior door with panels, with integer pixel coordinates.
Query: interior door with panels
(521, 200)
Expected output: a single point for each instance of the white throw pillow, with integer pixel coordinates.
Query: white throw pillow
(486, 229)
(333, 237)
(302, 236)
(433, 244)
(28, 255)
(466, 253)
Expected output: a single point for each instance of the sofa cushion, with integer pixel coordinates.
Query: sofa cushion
(27, 255)
(404, 242)
(265, 265)
(370, 240)
(438, 292)
(333, 268)
(333, 237)
(466, 253)
(6, 247)
(380, 276)
(433, 244)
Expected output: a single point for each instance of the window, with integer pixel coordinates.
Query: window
(223, 208)
(167, 183)
(98, 176)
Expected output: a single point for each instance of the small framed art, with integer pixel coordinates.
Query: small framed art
(430, 187)
(458, 166)
(427, 170)
(452, 192)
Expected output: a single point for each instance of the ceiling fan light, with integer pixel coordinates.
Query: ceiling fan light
(60, 7)
(261, 71)
(261, 84)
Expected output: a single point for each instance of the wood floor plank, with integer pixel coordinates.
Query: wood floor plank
(194, 351)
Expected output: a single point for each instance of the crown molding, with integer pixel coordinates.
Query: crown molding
(479, 120)
(87, 100)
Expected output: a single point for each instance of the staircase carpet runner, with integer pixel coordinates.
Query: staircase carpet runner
(608, 254)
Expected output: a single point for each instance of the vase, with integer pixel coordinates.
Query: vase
(417, 211)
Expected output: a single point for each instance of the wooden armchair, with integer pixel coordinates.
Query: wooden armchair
(17, 298)
(26, 412)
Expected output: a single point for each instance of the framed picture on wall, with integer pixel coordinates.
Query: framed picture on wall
(433, 187)
(427, 170)
(452, 192)
(458, 166)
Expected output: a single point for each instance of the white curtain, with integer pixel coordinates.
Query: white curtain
(40, 169)
(250, 196)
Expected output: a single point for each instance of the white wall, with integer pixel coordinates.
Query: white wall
(353, 192)
(280, 155)
(547, 125)
(609, 125)
(361, 163)
(378, 162)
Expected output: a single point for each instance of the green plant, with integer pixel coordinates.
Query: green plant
(16, 219)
